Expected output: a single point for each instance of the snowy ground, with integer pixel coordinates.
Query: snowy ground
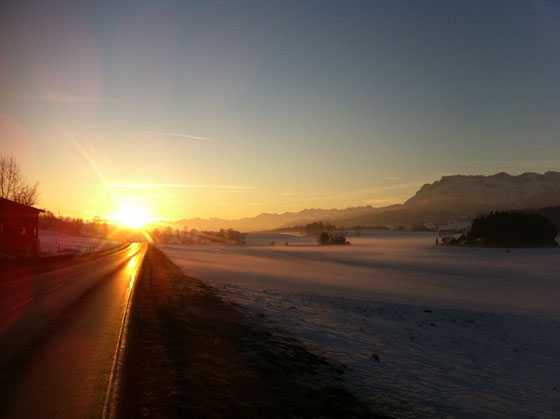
(53, 242)
(458, 331)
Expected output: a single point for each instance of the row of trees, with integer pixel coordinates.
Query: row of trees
(74, 226)
(96, 228)
(324, 231)
(316, 228)
(100, 229)
(336, 238)
(168, 235)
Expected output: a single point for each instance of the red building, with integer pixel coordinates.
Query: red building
(19, 229)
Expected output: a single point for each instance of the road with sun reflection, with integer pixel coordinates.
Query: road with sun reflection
(60, 333)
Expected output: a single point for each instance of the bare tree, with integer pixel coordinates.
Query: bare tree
(13, 184)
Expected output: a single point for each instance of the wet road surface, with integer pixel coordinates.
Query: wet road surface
(59, 333)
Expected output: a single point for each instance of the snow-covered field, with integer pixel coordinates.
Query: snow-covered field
(458, 331)
(53, 242)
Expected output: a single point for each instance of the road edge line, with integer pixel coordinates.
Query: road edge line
(111, 397)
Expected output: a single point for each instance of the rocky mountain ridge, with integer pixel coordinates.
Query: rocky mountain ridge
(452, 198)
(497, 190)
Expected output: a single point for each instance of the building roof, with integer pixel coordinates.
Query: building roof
(7, 203)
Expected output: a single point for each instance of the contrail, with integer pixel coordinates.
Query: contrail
(178, 185)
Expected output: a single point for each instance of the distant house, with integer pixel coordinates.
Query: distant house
(451, 240)
(448, 240)
(19, 229)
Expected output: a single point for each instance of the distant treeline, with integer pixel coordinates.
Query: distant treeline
(168, 235)
(96, 228)
(550, 213)
(100, 229)
(318, 227)
(513, 228)
(325, 232)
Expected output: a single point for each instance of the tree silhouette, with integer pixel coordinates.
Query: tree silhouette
(316, 228)
(513, 229)
(13, 185)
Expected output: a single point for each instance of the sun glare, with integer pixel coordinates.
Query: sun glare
(132, 216)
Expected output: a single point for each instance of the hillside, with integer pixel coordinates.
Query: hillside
(452, 198)
(269, 221)
(461, 198)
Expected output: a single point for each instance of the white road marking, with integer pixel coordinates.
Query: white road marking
(109, 410)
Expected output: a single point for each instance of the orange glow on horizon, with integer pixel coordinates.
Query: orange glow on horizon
(133, 216)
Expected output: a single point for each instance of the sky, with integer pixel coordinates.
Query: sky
(230, 109)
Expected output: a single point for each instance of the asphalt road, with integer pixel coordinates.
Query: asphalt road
(59, 332)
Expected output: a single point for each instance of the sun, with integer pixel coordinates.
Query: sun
(132, 216)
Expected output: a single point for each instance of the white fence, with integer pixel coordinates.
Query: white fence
(52, 243)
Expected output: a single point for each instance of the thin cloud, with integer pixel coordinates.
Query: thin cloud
(391, 178)
(178, 185)
(71, 99)
(180, 135)
(500, 165)
(367, 191)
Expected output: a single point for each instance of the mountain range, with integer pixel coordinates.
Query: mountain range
(450, 199)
